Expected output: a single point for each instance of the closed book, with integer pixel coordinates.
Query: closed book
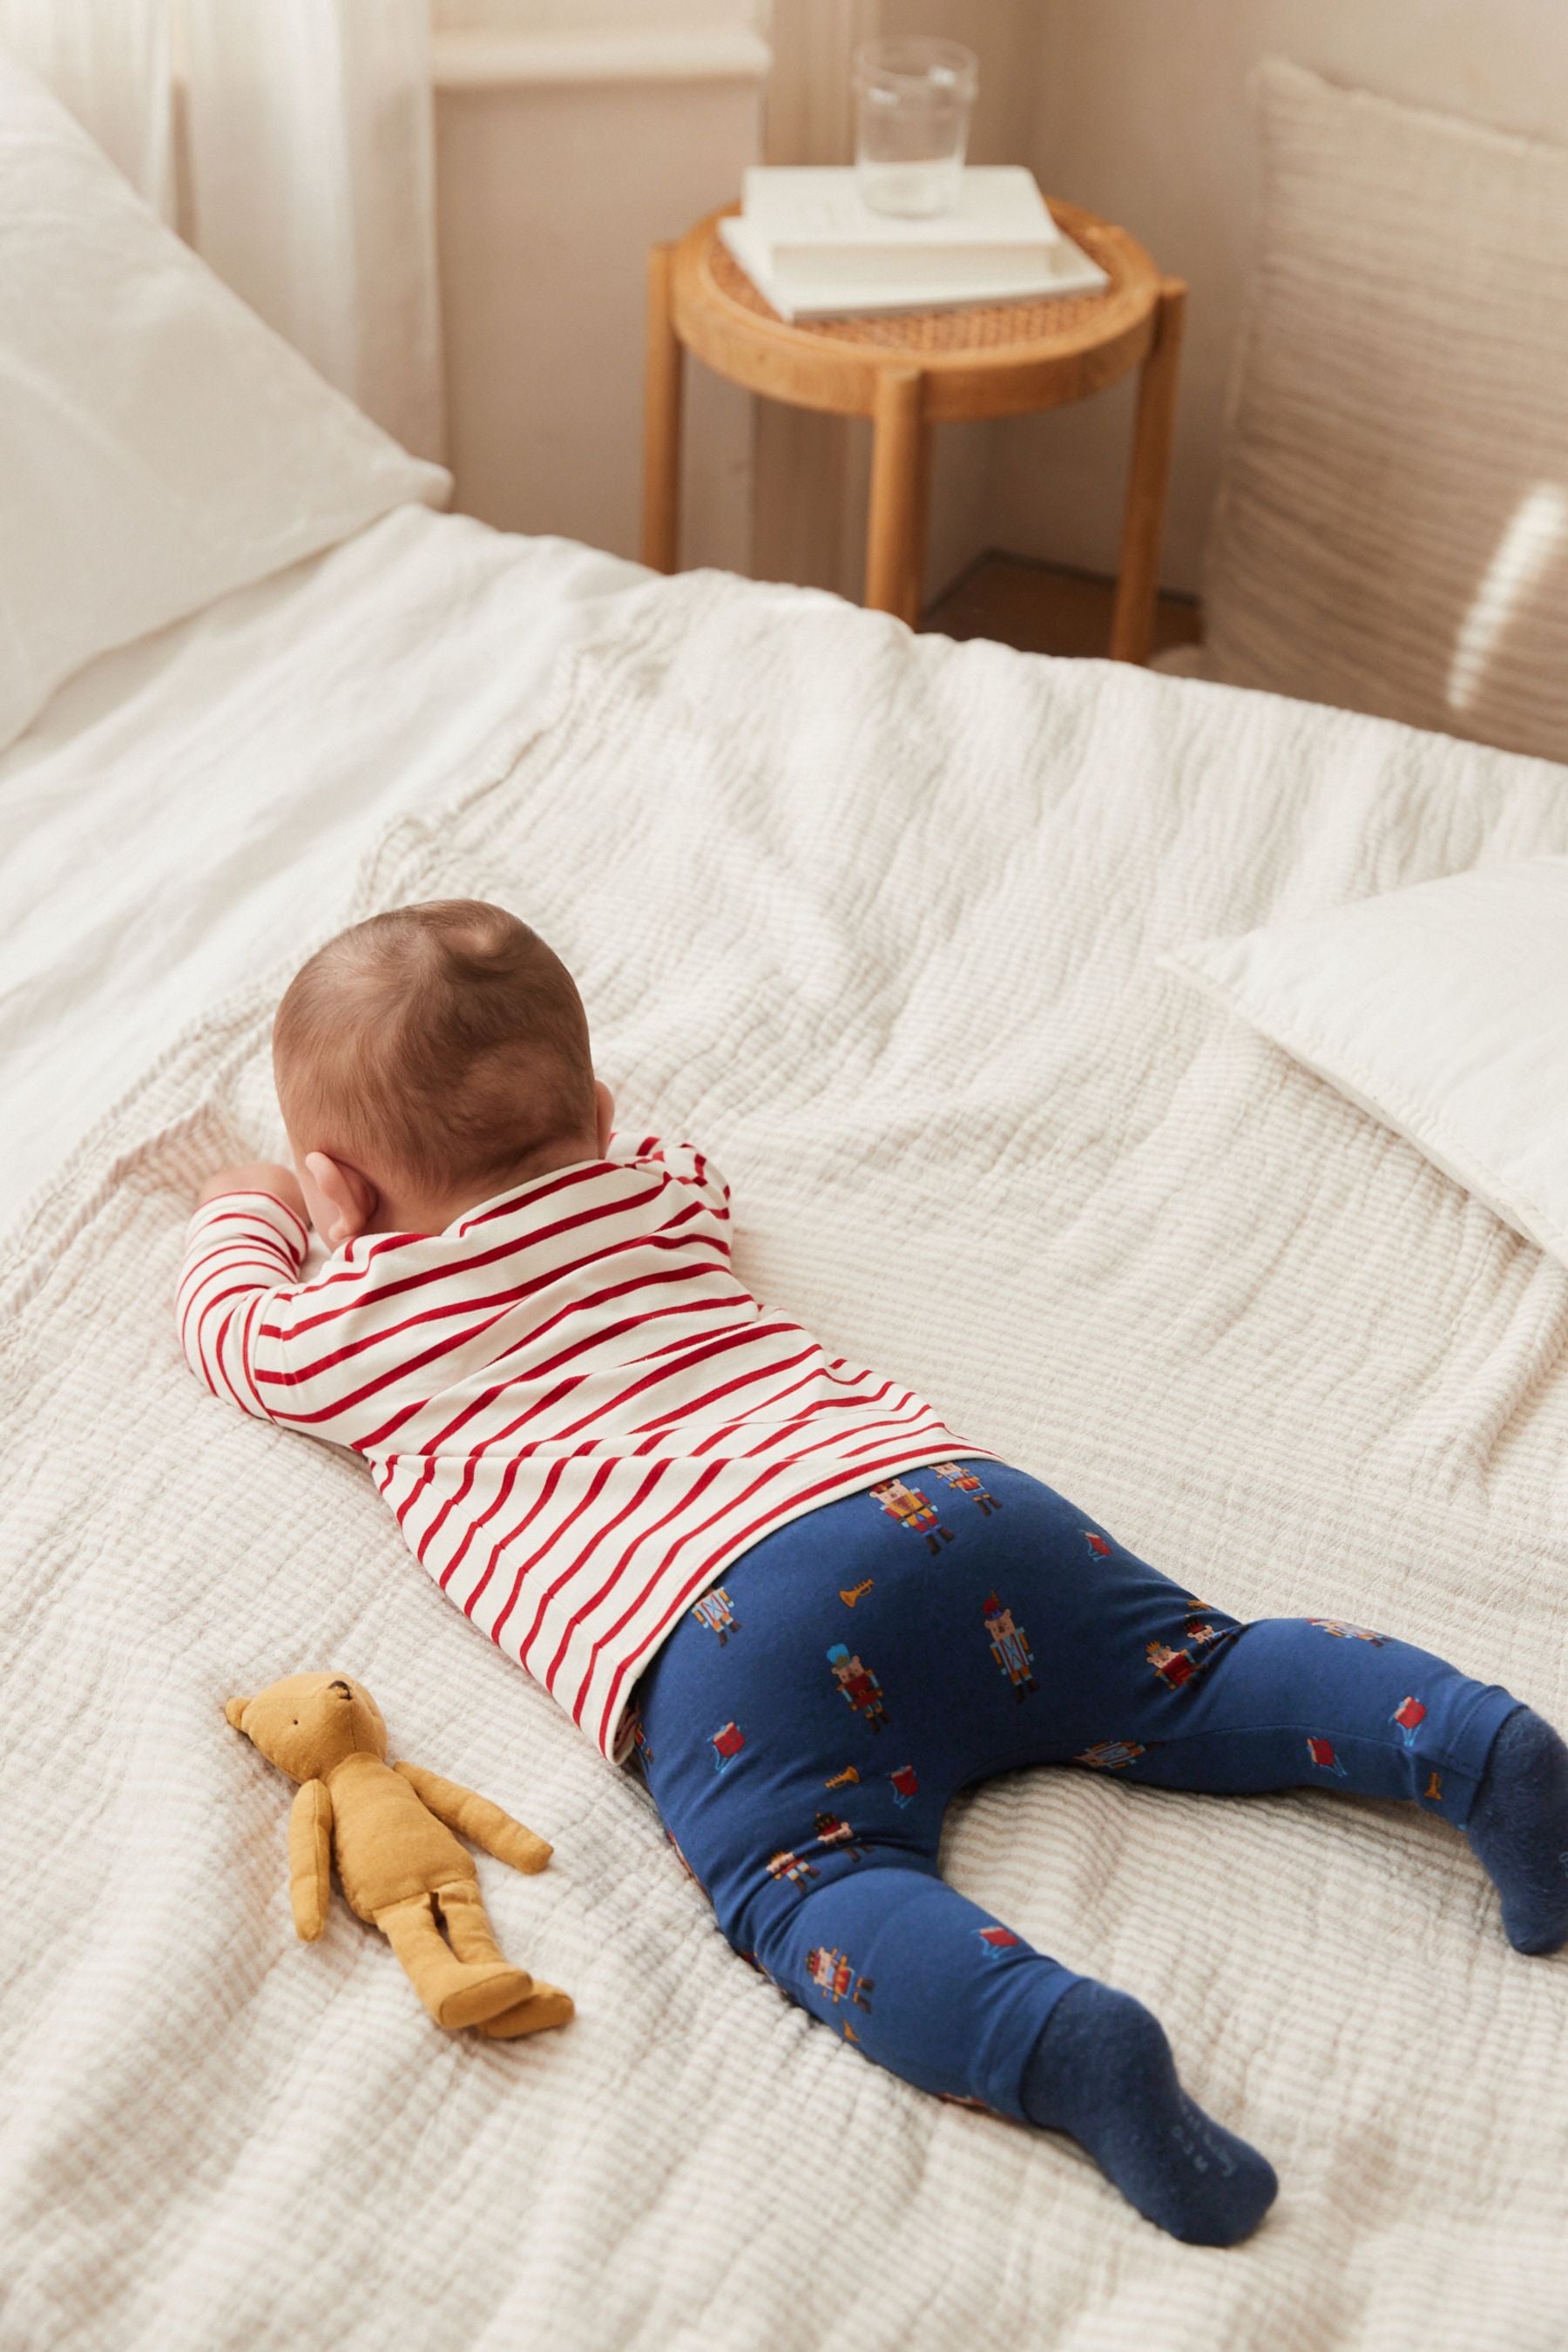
(814, 213)
(801, 285)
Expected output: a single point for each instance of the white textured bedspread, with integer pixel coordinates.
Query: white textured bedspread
(876, 919)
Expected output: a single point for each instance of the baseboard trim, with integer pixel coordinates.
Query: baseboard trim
(492, 61)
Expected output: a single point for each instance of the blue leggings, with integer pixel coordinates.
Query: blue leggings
(805, 1727)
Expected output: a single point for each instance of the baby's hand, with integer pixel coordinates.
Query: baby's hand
(259, 1176)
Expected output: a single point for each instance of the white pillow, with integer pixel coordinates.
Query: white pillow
(1443, 1010)
(158, 445)
(1392, 527)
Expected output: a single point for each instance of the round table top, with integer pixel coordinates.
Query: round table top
(981, 359)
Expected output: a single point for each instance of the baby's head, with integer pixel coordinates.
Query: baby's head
(426, 1059)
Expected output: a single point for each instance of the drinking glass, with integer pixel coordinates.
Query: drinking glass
(913, 99)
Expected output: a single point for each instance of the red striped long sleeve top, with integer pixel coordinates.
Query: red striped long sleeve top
(579, 1415)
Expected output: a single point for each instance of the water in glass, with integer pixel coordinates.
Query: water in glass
(913, 101)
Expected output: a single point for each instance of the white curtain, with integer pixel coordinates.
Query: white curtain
(312, 188)
(309, 154)
(108, 61)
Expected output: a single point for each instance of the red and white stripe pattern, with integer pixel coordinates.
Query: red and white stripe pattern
(579, 1415)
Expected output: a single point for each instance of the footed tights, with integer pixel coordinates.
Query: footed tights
(805, 1727)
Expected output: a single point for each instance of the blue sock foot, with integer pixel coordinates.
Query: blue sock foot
(1102, 2071)
(1519, 1828)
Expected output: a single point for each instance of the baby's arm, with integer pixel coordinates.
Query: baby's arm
(246, 1240)
(255, 1176)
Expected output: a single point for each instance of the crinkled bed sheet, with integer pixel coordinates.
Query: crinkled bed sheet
(876, 919)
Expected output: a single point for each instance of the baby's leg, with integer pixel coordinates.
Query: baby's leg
(938, 1991)
(802, 1766)
(1315, 1703)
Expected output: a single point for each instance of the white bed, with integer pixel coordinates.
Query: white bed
(877, 919)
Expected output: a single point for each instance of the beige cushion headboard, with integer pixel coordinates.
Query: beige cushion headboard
(1391, 530)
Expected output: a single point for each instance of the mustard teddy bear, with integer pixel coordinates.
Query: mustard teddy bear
(390, 1828)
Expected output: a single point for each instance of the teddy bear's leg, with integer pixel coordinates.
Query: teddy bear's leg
(456, 1992)
(467, 1922)
(546, 2005)
(463, 1909)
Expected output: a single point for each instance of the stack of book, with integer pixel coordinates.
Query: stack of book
(814, 250)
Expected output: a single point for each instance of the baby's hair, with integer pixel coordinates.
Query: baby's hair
(444, 1043)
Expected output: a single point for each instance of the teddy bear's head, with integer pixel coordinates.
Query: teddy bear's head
(308, 1723)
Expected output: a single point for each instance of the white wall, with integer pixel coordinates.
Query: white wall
(1142, 111)
(571, 135)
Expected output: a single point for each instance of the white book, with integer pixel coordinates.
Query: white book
(802, 285)
(816, 213)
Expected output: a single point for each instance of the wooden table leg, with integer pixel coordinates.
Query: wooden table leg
(661, 420)
(895, 545)
(1133, 623)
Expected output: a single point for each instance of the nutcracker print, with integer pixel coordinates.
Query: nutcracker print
(1173, 1667)
(862, 1691)
(961, 1477)
(831, 1972)
(1010, 1647)
(1110, 1755)
(793, 1868)
(714, 1611)
(912, 1509)
(833, 1830)
(1344, 1631)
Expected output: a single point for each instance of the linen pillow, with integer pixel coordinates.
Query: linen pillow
(158, 445)
(1392, 527)
(1441, 1009)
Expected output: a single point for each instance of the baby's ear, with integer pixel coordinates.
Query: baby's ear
(234, 1710)
(351, 1199)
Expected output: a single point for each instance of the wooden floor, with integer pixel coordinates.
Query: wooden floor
(1042, 609)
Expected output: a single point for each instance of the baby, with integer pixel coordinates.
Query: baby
(804, 1606)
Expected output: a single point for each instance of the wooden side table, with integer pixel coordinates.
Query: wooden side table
(909, 372)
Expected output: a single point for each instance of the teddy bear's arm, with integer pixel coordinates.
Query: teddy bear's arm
(474, 1817)
(310, 1858)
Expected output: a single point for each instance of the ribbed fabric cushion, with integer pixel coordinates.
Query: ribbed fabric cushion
(1391, 531)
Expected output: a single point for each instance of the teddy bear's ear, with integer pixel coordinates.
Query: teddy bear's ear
(235, 1709)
